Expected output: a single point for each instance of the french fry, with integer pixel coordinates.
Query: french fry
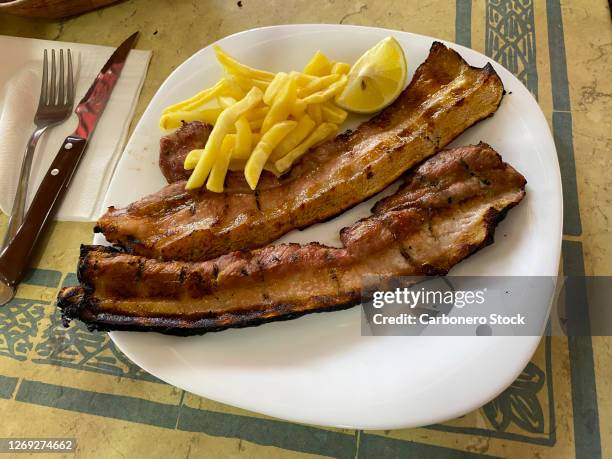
(305, 125)
(174, 120)
(317, 85)
(327, 93)
(318, 65)
(222, 87)
(314, 111)
(192, 158)
(321, 133)
(242, 147)
(280, 79)
(224, 124)
(216, 180)
(255, 125)
(340, 68)
(246, 83)
(234, 90)
(234, 67)
(263, 149)
(226, 101)
(301, 78)
(298, 108)
(281, 107)
(332, 113)
(257, 112)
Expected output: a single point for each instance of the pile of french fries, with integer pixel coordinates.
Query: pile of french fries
(261, 120)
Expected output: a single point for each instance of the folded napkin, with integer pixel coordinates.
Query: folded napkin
(20, 77)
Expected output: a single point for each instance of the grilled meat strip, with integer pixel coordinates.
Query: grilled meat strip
(446, 210)
(445, 97)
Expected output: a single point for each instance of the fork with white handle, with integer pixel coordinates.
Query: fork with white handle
(54, 106)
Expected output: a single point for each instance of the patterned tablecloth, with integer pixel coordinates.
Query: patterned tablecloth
(57, 382)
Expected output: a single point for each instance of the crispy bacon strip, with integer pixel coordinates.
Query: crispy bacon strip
(445, 97)
(446, 210)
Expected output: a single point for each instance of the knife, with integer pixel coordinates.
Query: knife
(15, 258)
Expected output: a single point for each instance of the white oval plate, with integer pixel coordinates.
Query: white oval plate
(319, 369)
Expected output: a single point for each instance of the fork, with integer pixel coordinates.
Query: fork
(54, 106)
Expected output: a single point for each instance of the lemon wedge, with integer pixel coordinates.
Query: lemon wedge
(376, 79)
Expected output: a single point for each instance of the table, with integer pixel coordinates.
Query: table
(71, 383)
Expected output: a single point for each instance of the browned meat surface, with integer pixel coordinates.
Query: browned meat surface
(445, 97)
(446, 210)
(173, 149)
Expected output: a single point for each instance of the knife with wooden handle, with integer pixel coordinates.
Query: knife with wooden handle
(15, 258)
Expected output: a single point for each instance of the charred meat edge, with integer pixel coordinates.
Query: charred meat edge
(444, 190)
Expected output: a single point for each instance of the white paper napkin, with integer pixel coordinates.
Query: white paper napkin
(20, 77)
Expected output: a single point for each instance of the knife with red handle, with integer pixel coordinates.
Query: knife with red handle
(15, 258)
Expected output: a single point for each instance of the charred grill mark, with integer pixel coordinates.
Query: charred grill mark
(140, 269)
(328, 254)
(483, 180)
(224, 211)
(261, 269)
(430, 227)
(293, 220)
(197, 285)
(334, 276)
(399, 244)
(257, 204)
(406, 255)
(131, 242)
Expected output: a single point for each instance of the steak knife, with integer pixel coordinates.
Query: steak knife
(15, 258)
